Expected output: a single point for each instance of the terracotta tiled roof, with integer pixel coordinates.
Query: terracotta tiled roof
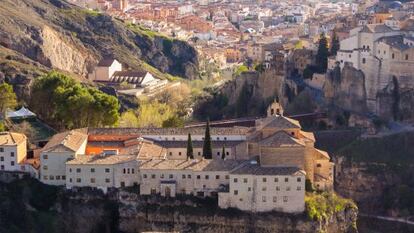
(253, 168)
(194, 165)
(101, 159)
(280, 122)
(171, 131)
(281, 139)
(71, 140)
(11, 139)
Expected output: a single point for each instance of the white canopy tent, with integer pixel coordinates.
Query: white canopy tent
(21, 113)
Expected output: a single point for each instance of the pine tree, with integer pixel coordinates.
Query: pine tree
(322, 55)
(207, 148)
(223, 153)
(190, 153)
(334, 45)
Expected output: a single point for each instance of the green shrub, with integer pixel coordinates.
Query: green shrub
(322, 206)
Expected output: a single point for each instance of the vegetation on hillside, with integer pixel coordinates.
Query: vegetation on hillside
(396, 149)
(71, 105)
(321, 206)
(8, 98)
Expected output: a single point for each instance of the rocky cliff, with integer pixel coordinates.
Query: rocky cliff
(56, 34)
(346, 88)
(28, 206)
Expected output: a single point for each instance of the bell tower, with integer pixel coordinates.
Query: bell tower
(275, 109)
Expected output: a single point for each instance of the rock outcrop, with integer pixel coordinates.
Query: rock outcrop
(59, 35)
(346, 88)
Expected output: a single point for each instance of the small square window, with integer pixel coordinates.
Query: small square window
(286, 179)
(107, 170)
(277, 188)
(198, 177)
(63, 177)
(107, 180)
(92, 169)
(217, 177)
(145, 176)
(264, 198)
(183, 176)
(245, 180)
(78, 170)
(153, 176)
(299, 188)
(236, 192)
(12, 163)
(288, 188)
(189, 176)
(264, 179)
(57, 177)
(51, 177)
(299, 179)
(45, 178)
(92, 180)
(276, 180)
(235, 180)
(1, 158)
(11, 154)
(206, 177)
(274, 199)
(249, 189)
(264, 189)
(45, 157)
(78, 180)
(171, 176)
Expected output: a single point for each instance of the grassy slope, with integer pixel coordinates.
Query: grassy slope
(395, 149)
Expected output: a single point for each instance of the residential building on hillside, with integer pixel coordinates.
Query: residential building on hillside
(61, 148)
(257, 189)
(13, 154)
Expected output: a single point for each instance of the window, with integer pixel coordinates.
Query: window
(179, 153)
(78, 170)
(107, 180)
(299, 188)
(70, 180)
(12, 163)
(133, 171)
(206, 177)
(145, 176)
(162, 176)
(93, 170)
(70, 169)
(170, 153)
(153, 191)
(277, 188)
(264, 179)
(51, 177)
(1, 158)
(363, 60)
(1, 149)
(225, 138)
(236, 192)
(276, 180)
(227, 177)
(264, 189)
(274, 199)
(235, 180)
(92, 180)
(227, 153)
(217, 177)
(107, 170)
(218, 153)
(171, 176)
(249, 189)
(2, 167)
(285, 199)
(199, 153)
(153, 176)
(63, 177)
(288, 188)
(286, 179)
(406, 56)
(44, 167)
(57, 177)
(45, 177)
(393, 56)
(78, 180)
(245, 180)
(263, 198)
(44, 156)
(299, 179)
(189, 176)
(198, 177)
(11, 154)
(124, 171)
(318, 165)
(183, 176)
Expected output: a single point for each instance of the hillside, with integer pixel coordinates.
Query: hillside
(37, 35)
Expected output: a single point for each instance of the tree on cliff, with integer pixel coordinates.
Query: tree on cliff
(334, 44)
(66, 104)
(7, 98)
(322, 55)
(190, 153)
(207, 147)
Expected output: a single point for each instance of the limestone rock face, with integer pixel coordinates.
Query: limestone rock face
(346, 88)
(59, 35)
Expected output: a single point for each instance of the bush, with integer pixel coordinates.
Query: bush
(322, 206)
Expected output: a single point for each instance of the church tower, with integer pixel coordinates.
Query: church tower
(275, 109)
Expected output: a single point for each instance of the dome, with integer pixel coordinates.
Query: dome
(395, 5)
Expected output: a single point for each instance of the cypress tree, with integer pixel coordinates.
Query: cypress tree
(322, 55)
(334, 45)
(223, 153)
(207, 148)
(190, 153)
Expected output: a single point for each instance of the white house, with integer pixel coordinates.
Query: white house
(105, 69)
